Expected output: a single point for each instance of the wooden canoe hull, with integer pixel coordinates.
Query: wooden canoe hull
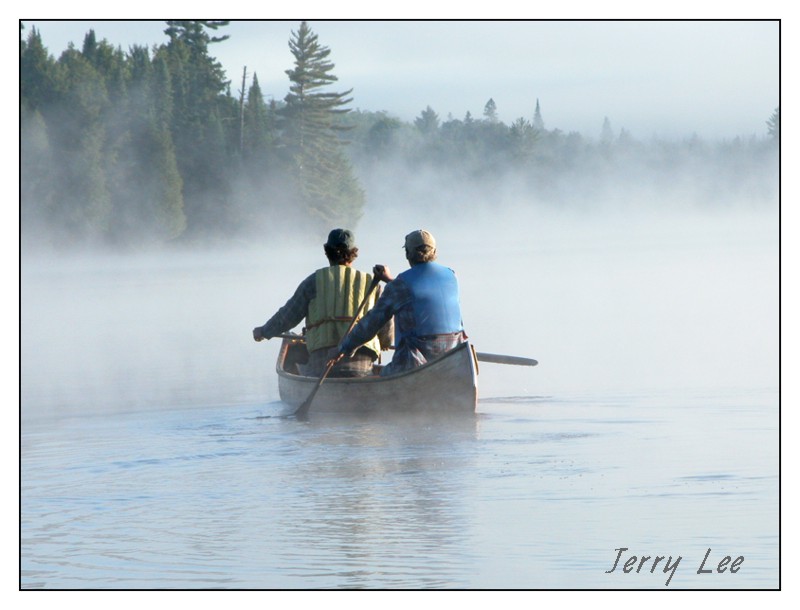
(448, 384)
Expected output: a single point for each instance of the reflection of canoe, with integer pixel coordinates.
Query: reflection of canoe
(448, 384)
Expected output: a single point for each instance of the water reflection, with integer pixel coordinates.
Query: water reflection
(382, 503)
(520, 495)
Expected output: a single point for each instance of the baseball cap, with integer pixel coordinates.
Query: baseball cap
(418, 238)
(341, 237)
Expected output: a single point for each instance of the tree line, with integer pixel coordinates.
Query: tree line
(151, 145)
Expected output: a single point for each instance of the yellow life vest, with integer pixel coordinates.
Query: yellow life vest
(340, 290)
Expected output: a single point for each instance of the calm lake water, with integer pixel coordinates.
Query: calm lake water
(154, 454)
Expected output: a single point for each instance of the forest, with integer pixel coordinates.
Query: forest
(155, 146)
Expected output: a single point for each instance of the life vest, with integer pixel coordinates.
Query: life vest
(340, 290)
(435, 302)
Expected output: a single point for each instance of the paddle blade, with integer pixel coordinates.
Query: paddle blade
(302, 410)
(501, 359)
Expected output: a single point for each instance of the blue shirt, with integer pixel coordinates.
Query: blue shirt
(398, 300)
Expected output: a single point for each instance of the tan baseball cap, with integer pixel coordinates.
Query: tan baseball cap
(418, 238)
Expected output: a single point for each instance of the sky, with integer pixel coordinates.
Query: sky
(663, 78)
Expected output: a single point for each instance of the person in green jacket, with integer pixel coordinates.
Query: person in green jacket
(328, 300)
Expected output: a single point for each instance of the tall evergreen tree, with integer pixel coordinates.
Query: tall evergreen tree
(147, 186)
(326, 187)
(37, 82)
(37, 72)
(170, 187)
(381, 135)
(490, 111)
(78, 137)
(774, 124)
(36, 185)
(118, 119)
(427, 122)
(538, 122)
(523, 137)
(109, 62)
(259, 123)
(201, 106)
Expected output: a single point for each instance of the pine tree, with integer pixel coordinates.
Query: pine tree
(259, 128)
(538, 123)
(78, 138)
(381, 134)
(201, 106)
(427, 122)
(36, 186)
(326, 187)
(109, 62)
(522, 137)
(119, 121)
(170, 186)
(37, 77)
(490, 111)
(147, 187)
(774, 124)
(37, 72)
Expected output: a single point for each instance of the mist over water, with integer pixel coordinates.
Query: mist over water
(654, 405)
(624, 302)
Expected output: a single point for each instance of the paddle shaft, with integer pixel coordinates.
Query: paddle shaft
(302, 410)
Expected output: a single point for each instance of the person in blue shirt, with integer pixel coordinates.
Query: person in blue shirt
(425, 304)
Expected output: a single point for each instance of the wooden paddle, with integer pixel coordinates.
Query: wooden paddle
(501, 359)
(302, 410)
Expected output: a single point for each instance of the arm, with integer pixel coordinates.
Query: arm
(376, 319)
(291, 314)
(386, 332)
(386, 335)
(383, 273)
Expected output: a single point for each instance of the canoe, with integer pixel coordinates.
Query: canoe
(446, 385)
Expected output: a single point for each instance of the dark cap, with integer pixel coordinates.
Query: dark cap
(341, 237)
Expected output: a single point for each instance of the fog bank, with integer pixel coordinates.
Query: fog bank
(615, 303)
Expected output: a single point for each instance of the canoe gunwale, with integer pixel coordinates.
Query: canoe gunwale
(367, 379)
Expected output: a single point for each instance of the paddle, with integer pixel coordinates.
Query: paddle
(501, 359)
(302, 410)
